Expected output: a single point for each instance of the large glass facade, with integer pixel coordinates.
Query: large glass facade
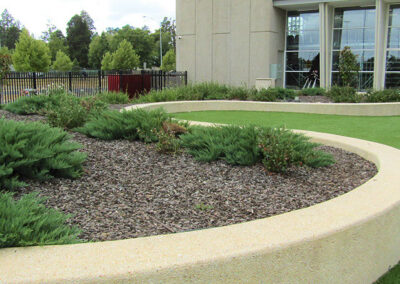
(392, 79)
(302, 50)
(355, 28)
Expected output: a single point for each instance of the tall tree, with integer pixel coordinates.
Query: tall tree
(125, 58)
(89, 21)
(169, 61)
(47, 33)
(140, 39)
(78, 39)
(107, 62)
(168, 25)
(97, 48)
(9, 30)
(31, 54)
(57, 42)
(62, 62)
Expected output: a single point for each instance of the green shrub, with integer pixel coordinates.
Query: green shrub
(36, 151)
(273, 94)
(113, 97)
(167, 142)
(281, 148)
(70, 111)
(27, 222)
(389, 95)
(235, 145)
(131, 125)
(29, 105)
(312, 92)
(343, 95)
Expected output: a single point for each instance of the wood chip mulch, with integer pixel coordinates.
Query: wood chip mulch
(129, 190)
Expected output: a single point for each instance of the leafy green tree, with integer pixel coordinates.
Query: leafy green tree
(166, 46)
(125, 58)
(348, 67)
(168, 25)
(62, 62)
(89, 21)
(56, 43)
(5, 62)
(169, 61)
(47, 33)
(140, 39)
(97, 48)
(106, 63)
(78, 39)
(31, 54)
(9, 30)
(75, 66)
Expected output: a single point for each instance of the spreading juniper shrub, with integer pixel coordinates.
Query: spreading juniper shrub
(36, 151)
(27, 222)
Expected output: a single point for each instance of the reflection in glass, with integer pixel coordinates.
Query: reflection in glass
(365, 80)
(355, 39)
(394, 37)
(302, 45)
(392, 80)
(354, 18)
(393, 60)
(364, 58)
(394, 16)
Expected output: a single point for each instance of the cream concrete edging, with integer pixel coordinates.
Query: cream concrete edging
(353, 238)
(378, 109)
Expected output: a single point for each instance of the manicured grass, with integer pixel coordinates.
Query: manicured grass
(385, 130)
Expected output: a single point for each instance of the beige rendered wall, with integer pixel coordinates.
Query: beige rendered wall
(229, 41)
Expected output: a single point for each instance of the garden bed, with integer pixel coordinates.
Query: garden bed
(130, 190)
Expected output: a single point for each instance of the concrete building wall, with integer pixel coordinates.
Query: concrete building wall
(229, 41)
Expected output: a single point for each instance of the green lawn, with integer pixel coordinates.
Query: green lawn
(385, 130)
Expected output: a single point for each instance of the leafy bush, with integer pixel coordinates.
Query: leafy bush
(36, 151)
(389, 95)
(27, 222)
(343, 95)
(167, 142)
(235, 145)
(70, 111)
(281, 148)
(29, 105)
(273, 94)
(278, 149)
(312, 92)
(113, 97)
(131, 125)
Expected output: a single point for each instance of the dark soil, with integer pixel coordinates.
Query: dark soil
(130, 190)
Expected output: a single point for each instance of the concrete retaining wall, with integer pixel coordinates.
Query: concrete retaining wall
(353, 238)
(379, 109)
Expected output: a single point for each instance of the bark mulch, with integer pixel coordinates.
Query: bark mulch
(129, 190)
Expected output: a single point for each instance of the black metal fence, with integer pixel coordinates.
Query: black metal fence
(86, 83)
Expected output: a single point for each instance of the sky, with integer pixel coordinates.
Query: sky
(35, 15)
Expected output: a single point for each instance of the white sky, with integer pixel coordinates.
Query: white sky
(35, 14)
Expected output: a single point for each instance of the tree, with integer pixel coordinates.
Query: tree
(348, 67)
(169, 26)
(106, 63)
(9, 30)
(56, 43)
(5, 62)
(125, 58)
(31, 54)
(47, 33)
(140, 39)
(97, 48)
(169, 61)
(78, 39)
(62, 62)
(89, 21)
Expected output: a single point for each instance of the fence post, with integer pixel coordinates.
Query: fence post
(121, 86)
(160, 79)
(70, 81)
(99, 75)
(34, 81)
(186, 80)
(143, 87)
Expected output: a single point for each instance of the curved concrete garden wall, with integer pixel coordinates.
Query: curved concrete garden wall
(353, 238)
(381, 109)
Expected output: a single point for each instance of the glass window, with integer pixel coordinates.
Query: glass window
(355, 28)
(392, 78)
(302, 49)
